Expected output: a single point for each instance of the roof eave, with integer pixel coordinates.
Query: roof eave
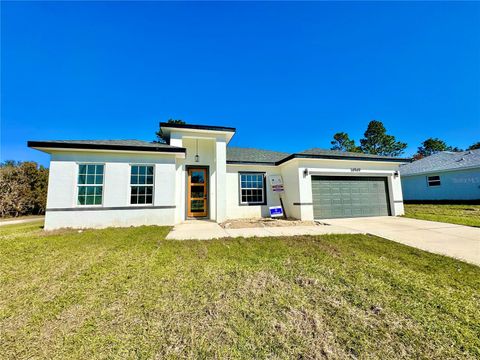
(342, 157)
(45, 146)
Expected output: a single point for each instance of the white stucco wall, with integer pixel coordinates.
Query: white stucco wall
(455, 185)
(234, 210)
(116, 210)
(170, 180)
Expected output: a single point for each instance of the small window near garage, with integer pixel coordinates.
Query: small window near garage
(252, 188)
(141, 184)
(433, 180)
(90, 184)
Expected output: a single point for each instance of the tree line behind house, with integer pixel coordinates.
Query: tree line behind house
(23, 188)
(376, 141)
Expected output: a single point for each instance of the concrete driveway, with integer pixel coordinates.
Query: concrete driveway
(458, 241)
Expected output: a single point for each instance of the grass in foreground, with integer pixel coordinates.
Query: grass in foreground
(454, 214)
(128, 293)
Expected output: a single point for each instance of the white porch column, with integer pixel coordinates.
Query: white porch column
(176, 140)
(221, 179)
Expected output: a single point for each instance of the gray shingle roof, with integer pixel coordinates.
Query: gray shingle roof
(323, 152)
(442, 161)
(237, 154)
(248, 155)
(107, 144)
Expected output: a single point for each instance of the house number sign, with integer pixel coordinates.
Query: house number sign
(355, 169)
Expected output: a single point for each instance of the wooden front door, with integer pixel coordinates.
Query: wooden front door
(197, 191)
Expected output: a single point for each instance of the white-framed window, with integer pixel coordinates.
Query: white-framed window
(141, 184)
(433, 180)
(90, 184)
(252, 188)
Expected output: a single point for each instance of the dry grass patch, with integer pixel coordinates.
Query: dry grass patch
(265, 222)
(128, 293)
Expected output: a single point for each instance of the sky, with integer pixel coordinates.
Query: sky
(287, 75)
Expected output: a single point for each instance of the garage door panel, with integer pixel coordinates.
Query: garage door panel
(335, 197)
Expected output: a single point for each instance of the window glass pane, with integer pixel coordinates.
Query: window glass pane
(197, 206)
(197, 177)
(134, 170)
(143, 170)
(252, 188)
(90, 174)
(149, 199)
(197, 191)
(150, 170)
(149, 179)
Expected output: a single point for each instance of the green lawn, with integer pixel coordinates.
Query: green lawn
(131, 294)
(454, 214)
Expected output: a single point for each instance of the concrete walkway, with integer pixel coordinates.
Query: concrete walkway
(458, 241)
(205, 230)
(21, 221)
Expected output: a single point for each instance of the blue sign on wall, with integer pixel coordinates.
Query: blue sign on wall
(276, 211)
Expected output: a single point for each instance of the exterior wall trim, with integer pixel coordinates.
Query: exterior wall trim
(90, 208)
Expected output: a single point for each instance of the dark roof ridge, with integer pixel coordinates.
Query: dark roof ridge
(197, 127)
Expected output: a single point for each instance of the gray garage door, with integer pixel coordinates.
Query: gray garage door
(349, 196)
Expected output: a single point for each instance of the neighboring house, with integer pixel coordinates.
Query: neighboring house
(443, 176)
(195, 175)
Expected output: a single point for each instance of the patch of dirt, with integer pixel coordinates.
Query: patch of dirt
(265, 222)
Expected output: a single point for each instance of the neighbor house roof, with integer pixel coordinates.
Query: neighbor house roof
(443, 161)
(127, 145)
(236, 155)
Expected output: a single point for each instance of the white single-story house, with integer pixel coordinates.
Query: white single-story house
(443, 176)
(104, 183)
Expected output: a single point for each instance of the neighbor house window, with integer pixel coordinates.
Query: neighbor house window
(252, 188)
(141, 183)
(433, 180)
(90, 184)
